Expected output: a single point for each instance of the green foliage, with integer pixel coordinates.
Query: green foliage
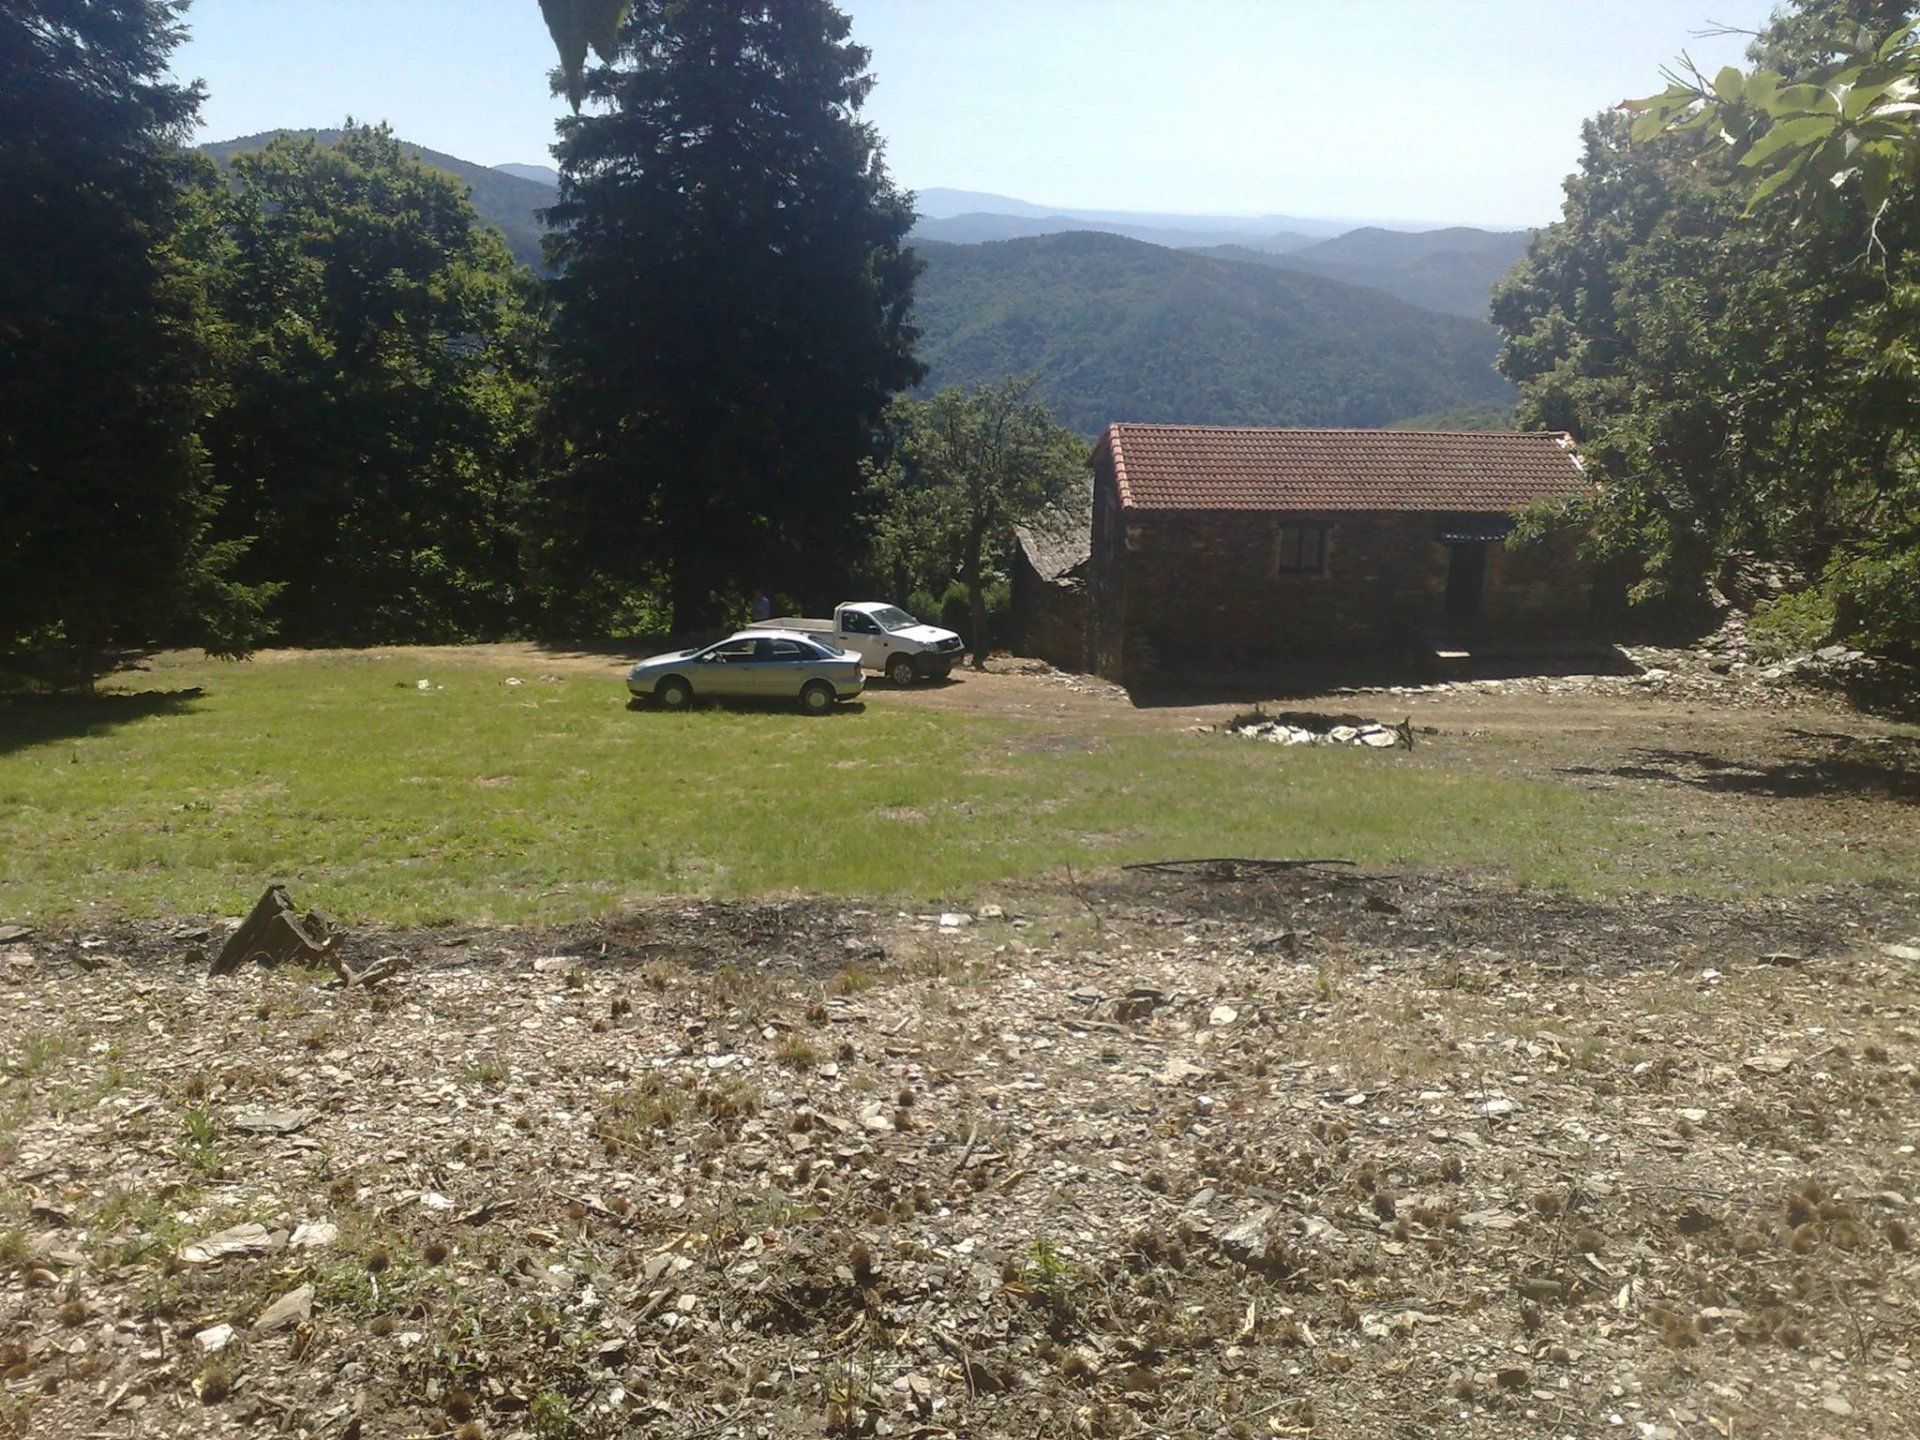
(576, 25)
(1120, 330)
(1820, 134)
(952, 607)
(511, 204)
(1467, 417)
(1791, 623)
(732, 303)
(965, 467)
(379, 415)
(105, 360)
(1876, 590)
(1739, 378)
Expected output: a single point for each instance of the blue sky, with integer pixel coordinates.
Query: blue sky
(1411, 110)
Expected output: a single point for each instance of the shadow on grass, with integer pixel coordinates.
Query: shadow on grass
(1373, 672)
(1827, 765)
(27, 720)
(747, 705)
(629, 649)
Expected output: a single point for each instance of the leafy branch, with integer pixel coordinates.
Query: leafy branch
(1849, 129)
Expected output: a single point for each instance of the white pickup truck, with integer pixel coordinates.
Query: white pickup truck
(886, 638)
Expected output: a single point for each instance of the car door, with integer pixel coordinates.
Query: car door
(786, 666)
(863, 636)
(726, 669)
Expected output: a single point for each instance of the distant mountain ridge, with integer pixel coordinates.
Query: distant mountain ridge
(1451, 270)
(978, 226)
(938, 203)
(1273, 326)
(539, 174)
(505, 200)
(1117, 329)
(1447, 268)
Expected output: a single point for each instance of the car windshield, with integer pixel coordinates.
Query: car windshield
(891, 617)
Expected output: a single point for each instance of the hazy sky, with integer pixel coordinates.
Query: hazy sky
(1416, 110)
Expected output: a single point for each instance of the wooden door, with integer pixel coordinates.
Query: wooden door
(1466, 578)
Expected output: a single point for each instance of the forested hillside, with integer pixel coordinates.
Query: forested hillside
(976, 226)
(1453, 270)
(504, 200)
(1118, 329)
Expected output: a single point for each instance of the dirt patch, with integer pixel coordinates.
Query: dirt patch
(1219, 1147)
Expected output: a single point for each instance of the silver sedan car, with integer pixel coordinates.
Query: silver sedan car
(760, 664)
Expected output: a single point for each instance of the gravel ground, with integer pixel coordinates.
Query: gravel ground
(1207, 1149)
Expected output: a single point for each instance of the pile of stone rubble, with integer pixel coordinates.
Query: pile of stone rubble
(1320, 730)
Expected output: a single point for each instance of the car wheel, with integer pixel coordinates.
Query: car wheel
(900, 669)
(673, 693)
(817, 697)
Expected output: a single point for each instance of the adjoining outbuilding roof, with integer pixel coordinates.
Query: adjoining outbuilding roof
(1207, 467)
(1058, 540)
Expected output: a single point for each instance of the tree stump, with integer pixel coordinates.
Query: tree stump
(273, 933)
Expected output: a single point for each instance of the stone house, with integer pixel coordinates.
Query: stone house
(1217, 548)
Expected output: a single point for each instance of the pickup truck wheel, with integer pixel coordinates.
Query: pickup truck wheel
(900, 670)
(673, 693)
(817, 697)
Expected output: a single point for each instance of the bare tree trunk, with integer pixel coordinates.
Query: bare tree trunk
(976, 599)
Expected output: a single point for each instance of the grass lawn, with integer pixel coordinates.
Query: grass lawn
(476, 800)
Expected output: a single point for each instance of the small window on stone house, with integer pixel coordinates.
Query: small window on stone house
(1299, 549)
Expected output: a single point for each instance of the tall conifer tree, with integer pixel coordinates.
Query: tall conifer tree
(733, 300)
(104, 370)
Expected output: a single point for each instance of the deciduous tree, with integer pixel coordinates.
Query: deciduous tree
(1741, 378)
(378, 430)
(966, 467)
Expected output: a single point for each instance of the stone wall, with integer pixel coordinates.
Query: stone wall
(1174, 591)
(1050, 617)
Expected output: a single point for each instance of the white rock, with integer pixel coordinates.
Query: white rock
(214, 1339)
(1178, 1071)
(311, 1234)
(1222, 1015)
(248, 1239)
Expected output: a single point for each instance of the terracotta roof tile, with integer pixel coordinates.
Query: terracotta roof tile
(1204, 467)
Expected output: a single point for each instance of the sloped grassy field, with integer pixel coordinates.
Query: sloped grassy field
(478, 799)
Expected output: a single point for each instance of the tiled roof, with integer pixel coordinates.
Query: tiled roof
(1204, 467)
(1058, 540)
